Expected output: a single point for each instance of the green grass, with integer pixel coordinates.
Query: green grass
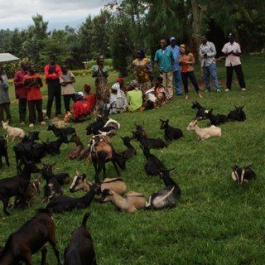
(216, 222)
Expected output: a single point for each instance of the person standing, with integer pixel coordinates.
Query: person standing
(232, 52)
(33, 83)
(176, 69)
(101, 72)
(52, 72)
(164, 60)
(143, 68)
(207, 54)
(4, 96)
(187, 60)
(68, 92)
(21, 92)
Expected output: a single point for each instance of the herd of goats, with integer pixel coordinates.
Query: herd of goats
(33, 235)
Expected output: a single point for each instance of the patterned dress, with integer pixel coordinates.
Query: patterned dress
(143, 68)
(101, 85)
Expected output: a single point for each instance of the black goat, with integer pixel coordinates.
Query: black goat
(97, 125)
(140, 135)
(53, 147)
(80, 250)
(216, 119)
(170, 133)
(201, 111)
(3, 151)
(237, 115)
(16, 186)
(67, 203)
(30, 238)
(165, 198)
(59, 131)
(243, 174)
(153, 165)
(52, 188)
(130, 151)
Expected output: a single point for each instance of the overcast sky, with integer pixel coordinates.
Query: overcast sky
(18, 13)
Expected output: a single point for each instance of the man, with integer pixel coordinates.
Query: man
(33, 83)
(164, 60)
(176, 70)
(232, 52)
(21, 92)
(207, 53)
(52, 72)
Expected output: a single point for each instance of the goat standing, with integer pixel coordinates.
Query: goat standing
(3, 151)
(13, 131)
(30, 238)
(80, 250)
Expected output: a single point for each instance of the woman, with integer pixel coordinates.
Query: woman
(186, 61)
(100, 73)
(4, 97)
(118, 101)
(143, 69)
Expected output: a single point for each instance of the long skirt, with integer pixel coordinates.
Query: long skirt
(102, 92)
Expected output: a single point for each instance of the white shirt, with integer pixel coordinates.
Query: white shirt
(232, 60)
(210, 51)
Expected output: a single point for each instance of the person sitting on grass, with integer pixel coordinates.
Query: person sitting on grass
(160, 91)
(134, 97)
(120, 80)
(81, 109)
(118, 101)
(91, 98)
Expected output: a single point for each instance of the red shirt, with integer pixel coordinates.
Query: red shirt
(81, 107)
(20, 89)
(91, 99)
(33, 83)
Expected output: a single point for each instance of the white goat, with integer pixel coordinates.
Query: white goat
(130, 203)
(13, 131)
(204, 133)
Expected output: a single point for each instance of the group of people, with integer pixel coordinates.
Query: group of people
(174, 63)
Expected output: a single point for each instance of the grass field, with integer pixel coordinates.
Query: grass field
(216, 221)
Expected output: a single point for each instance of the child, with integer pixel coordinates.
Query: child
(160, 91)
(90, 97)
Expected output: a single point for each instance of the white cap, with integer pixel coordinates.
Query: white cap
(115, 86)
(81, 94)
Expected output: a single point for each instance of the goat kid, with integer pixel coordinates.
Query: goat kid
(216, 119)
(131, 203)
(201, 113)
(204, 133)
(59, 131)
(243, 174)
(130, 151)
(165, 198)
(80, 250)
(30, 238)
(13, 132)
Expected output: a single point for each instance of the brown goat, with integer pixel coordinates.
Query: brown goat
(73, 154)
(30, 238)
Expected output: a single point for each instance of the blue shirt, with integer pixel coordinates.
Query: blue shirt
(164, 59)
(175, 51)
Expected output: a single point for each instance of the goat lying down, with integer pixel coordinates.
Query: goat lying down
(80, 250)
(204, 133)
(30, 238)
(243, 174)
(131, 202)
(81, 183)
(166, 197)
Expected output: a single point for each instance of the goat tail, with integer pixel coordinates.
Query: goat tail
(85, 218)
(45, 210)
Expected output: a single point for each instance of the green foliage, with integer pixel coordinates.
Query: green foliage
(216, 220)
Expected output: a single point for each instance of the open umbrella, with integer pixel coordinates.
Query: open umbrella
(7, 57)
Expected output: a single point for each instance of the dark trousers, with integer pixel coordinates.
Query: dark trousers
(22, 109)
(54, 92)
(5, 107)
(193, 80)
(35, 105)
(239, 73)
(67, 99)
